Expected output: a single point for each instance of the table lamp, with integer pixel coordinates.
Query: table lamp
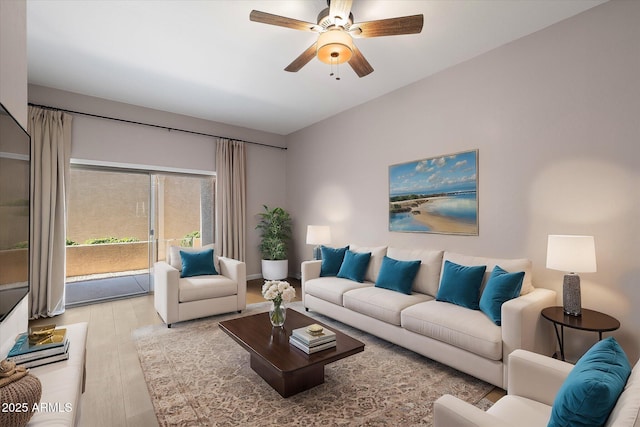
(572, 254)
(318, 235)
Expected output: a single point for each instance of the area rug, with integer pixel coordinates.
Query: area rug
(198, 376)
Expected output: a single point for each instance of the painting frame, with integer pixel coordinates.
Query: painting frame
(436, 195)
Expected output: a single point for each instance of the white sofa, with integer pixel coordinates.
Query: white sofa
(178, 299)
(462, 338)
(534, 381)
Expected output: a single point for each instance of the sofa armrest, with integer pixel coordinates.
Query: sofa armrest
(166, 291)
(310, 270)
(523, 326)
(236, 271)
(536, 377)
(449, 411)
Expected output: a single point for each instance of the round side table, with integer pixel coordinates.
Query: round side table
(590, 320)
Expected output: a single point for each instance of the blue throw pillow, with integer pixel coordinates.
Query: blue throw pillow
(197, 263)
(397, 275)
(331, 260)
(500, 288)
(460, 284)
(354, 265)
(592, 388)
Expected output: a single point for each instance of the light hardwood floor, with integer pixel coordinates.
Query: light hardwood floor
(116, 393)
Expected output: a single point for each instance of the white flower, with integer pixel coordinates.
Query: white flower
(278, 290)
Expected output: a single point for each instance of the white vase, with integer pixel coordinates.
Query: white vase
(275, 270)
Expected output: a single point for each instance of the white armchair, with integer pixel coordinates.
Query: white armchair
(177, 299)
(533, 382)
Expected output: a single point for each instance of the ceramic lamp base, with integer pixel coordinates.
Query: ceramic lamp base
(571, 295)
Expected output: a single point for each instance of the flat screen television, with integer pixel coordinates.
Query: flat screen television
(15, 155)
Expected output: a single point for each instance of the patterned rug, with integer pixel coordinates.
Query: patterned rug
(198, 376)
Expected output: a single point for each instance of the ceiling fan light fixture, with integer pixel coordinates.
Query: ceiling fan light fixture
(335, 47)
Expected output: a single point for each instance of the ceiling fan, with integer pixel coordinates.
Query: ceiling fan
(336, 29)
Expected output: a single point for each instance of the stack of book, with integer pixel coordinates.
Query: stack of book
(312, 339)
(42, 345)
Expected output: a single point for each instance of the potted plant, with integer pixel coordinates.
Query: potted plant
(275, 228)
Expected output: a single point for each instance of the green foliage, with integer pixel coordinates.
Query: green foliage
(187, 240)
(21, 245)
(71, 242)
(275, 228)
(103, 240)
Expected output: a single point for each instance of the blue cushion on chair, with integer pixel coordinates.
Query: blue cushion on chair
(354, 266)
(397, 275)
(592, 388)
(197, 263)
(500, 288)
(331, 260)
(460, 284)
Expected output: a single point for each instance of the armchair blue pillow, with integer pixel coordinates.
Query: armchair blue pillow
(592, 388)
(331, 260)
(197, 263)
(354, 266)
(500, 288)
(397, 275)
(460, 284)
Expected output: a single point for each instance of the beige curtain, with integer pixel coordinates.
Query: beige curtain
(231, 191)
(50, 154)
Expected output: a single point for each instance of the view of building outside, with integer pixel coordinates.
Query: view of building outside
(112, 208)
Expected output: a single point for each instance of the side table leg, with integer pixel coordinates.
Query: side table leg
(560, 338)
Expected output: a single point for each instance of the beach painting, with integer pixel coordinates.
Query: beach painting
(435, 195)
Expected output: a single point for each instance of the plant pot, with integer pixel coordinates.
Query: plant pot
(275, 270)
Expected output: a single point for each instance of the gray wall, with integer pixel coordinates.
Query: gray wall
(100, 141)
(554, 116)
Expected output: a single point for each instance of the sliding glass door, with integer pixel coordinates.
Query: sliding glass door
(107, 234)
(183, 211)
(120, 221)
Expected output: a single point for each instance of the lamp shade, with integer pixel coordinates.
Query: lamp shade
(318, 234)
(335, 46)
(575, 254)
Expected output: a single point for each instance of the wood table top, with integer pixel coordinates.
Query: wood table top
(257, 336)
(589, 320)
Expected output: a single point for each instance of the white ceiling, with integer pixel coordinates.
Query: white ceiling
(206, 59)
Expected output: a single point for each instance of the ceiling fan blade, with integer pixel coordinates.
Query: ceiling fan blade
(359, 64)
(389, 27)
(303, 59)
(281, 21)
(341, 8)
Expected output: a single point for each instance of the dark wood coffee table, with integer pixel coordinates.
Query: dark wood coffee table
(286, 368)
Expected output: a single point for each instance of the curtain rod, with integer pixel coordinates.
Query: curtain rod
(152, 125)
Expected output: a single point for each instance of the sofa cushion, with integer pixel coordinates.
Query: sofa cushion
(460, 284)
(397, 275)
(377, 252)
(172, 255)
(500, 288)
(381, 304)
(592, 388)
(354, 266)
(331, 260)
(428, 278)
(331, 289)
(510, 265)
(460, 327)
(520, 411)
(198, 263)
(204, 287)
